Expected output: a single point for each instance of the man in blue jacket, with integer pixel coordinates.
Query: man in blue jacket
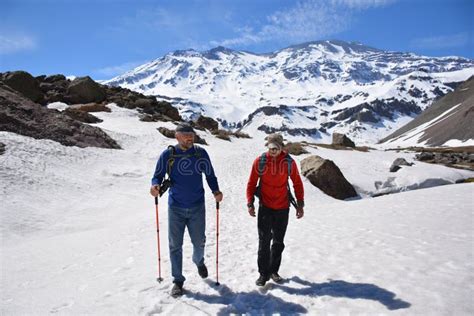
(185, 163)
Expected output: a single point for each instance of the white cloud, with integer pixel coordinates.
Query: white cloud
(113, 71)
(10, 44)
(442, 41)
(307, 20)
(362, 4)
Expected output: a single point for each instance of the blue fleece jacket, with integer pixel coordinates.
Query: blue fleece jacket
(186, 176)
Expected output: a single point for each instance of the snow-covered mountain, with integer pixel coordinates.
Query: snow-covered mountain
(312, 89)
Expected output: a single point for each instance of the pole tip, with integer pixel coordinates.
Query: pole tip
(159, 280)
(217, 284)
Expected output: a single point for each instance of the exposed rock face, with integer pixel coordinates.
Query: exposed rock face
(396, 165)
(22, 116)
(24, 83)
(2, 148)
(342, 140)
(325, 175)
(207, 123)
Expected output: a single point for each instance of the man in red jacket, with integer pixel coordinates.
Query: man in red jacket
(273, 190)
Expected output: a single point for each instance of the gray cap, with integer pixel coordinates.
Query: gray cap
(185, 128)
(276, 139)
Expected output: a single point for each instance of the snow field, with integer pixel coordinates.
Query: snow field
(78, 235)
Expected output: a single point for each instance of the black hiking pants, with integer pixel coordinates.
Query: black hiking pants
(271, 227)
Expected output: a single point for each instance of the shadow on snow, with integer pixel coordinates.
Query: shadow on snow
(261, 302)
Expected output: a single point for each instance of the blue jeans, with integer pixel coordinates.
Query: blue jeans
(195, 220)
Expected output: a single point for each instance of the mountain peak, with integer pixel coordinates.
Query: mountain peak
(334, 46)
(214, 52)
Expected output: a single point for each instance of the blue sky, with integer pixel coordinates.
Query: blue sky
(104, 38)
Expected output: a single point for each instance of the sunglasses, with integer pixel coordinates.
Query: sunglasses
(273, 148)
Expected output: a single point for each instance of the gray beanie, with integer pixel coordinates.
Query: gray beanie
(185, 128)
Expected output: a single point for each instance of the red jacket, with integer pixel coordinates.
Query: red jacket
(274, 192)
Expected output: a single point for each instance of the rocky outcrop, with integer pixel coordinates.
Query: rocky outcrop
(152, 109)
(396, 165)
(171, 134)
(463, 160)
(22, 116)
(2, 148)
(85, 90)
(23, 97)
(342, 140)
(207, 123)
(295, 149)
(325, 175)
(24, 83)
(81, 116)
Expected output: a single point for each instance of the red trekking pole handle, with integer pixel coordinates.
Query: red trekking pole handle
(217, 244)
(159, 279)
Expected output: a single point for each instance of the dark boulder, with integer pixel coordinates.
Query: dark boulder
(2, 148)
(85, 90)
(325, 175)
(397, 163)
(22, 116)
(24, 83)
(342, 140)
(424, 156)
(166, 132)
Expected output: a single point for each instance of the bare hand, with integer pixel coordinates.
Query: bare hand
(251, 211)
(155, 190)
(219, 196)
(299, 212)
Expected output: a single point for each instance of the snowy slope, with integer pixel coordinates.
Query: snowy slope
(448, 121)
(328, 86)
(78, 235)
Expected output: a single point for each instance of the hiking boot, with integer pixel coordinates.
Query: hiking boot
(276, 277)
(177, 289)
(202, 270)
(262, 279)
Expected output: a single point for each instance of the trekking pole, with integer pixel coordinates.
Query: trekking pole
(217, 244)
(159, 279)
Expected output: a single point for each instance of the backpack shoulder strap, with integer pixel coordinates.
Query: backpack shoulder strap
(261, 164)
(289, 161)
(197, 151)
(171, 158)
